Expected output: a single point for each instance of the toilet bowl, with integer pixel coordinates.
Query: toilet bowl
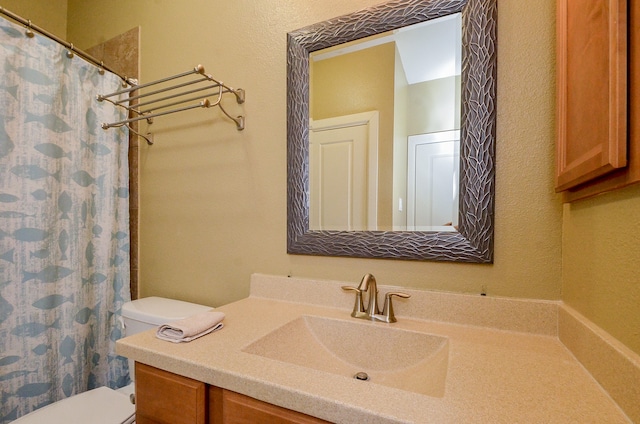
(104, 405)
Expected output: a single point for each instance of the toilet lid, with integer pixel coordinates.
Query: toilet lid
(159, 310)
(97, 406)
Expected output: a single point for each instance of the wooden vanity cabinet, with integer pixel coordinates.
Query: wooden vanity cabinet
(166, 398)
(598, 83)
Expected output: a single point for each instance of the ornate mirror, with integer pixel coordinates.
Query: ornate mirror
(468, 237)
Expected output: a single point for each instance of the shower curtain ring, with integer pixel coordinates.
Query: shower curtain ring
(28, 32)
(70, 51)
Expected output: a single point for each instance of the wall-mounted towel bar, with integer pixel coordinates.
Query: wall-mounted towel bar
(150, 104)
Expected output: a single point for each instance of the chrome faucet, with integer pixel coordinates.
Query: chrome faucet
(369, 286)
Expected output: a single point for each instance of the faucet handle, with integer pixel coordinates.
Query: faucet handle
(358, 306)
(351, 288)
(387, 311)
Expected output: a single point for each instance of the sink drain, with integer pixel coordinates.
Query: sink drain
(362, 376)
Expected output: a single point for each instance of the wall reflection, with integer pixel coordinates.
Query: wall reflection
(410, 79)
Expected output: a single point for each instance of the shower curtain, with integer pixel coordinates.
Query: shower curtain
(64, 225)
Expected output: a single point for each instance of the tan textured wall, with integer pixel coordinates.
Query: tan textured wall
(600, 248)
(50, 15)
(434, 106)
(601, 262)
(353, 83)
(213, 200)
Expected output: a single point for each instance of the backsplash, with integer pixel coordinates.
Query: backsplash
(528, 316)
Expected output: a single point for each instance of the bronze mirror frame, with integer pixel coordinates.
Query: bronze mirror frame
(473, 242)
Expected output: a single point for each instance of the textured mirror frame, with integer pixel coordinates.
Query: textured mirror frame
(474, 240)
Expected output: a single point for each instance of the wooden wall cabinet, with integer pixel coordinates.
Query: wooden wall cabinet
(166, 398)
(598, 145)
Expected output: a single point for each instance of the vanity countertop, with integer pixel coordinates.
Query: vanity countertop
(494, 375)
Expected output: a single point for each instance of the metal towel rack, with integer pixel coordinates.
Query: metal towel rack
(151, 104)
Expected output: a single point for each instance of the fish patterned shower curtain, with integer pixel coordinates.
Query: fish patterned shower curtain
(64, 225)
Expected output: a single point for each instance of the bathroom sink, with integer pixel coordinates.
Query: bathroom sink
(406, 360)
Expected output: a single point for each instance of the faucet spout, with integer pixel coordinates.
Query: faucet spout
(369, 285)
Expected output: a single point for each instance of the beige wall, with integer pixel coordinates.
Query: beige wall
(352, 83)
(601, 262)
(213, 199)
(50, 15)
(400, 143)
(434, 106)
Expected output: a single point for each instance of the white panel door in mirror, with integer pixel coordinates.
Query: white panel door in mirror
(343, 173)
(432, 183)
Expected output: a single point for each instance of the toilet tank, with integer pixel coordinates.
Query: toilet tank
(150, 312)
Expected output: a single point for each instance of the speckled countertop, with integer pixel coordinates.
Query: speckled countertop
(493, 375)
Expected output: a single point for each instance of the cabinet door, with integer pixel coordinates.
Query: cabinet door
(226, 407)
(592, 89)
(166, 398)
(631, 174)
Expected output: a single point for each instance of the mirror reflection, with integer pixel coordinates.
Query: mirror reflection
(384, 135)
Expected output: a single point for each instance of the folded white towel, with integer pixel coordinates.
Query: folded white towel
(191, 328)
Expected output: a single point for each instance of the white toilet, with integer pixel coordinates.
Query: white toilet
(104, 405)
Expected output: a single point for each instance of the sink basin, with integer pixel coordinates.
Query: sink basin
(406, 360)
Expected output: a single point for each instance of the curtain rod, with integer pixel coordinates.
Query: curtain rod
(27, 23)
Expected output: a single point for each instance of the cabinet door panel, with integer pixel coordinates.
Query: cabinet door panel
(166, 398)
(630, 174)
(228, 407)
(592, 90)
